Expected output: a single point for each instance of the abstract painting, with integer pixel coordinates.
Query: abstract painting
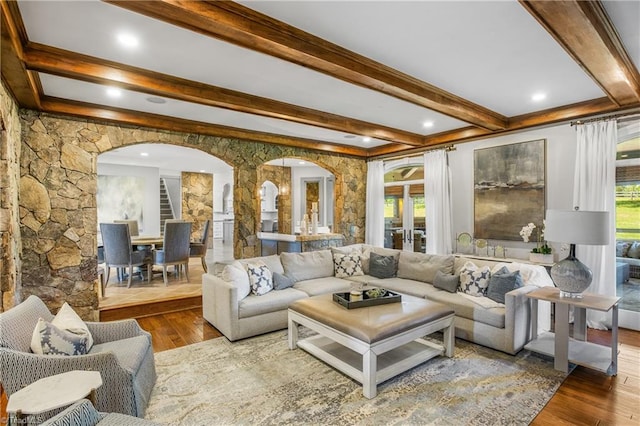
(120, 198)
(509, 189)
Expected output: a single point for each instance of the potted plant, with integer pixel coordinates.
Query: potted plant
(541, 253)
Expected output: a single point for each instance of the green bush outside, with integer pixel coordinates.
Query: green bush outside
(628, 217)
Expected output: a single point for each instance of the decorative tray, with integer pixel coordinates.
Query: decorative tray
(345, 299)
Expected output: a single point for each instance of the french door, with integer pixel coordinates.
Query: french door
(405, 217)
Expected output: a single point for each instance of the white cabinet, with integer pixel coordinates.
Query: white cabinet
(218, 229)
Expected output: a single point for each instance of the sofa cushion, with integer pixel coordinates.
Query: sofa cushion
(381, 266)
(634, 250)
(236, 274)
(447, 282)
(271, 302)
(403, 285)
(281, 281)
(347, 264)
(474, 280)
(308, 265)
(502, 282)
(423, 267)
(363, 249)
(467, 309)
(260, 277)
(130, 352)
(622, 248)
(324, 285)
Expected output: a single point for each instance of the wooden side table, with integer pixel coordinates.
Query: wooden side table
(564, 348)
(54, 392)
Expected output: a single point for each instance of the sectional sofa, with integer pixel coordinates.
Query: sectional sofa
(231, 302)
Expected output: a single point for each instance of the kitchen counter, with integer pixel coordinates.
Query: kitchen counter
(276, 243)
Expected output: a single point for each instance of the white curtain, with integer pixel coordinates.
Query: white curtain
(374, 233)
(594, 190)
(437, 199)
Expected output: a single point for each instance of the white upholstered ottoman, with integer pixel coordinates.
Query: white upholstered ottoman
(375, 343)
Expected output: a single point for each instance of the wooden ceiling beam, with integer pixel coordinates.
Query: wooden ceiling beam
(240, 25)
(86, 68)
(155, 121)
(23, 84)
(584, 30)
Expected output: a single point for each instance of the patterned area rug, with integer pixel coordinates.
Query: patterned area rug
(260, 381)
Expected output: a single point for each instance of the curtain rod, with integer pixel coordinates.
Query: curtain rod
(629, 115)
(447, 148)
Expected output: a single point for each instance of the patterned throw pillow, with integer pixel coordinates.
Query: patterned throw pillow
(502, 282)
(347, 265)
(473, 280)
(622, 248)
(260, 278)
(50, 340)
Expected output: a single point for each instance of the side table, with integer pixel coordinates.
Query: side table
(54, 392)
(564, 348)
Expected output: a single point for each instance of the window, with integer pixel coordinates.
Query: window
(628, 181)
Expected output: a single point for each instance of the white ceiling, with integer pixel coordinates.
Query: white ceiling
(492, 53)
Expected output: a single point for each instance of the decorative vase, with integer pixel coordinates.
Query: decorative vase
(303, 225)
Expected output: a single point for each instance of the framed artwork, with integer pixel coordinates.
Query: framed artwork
(120, 197)
(509, 189)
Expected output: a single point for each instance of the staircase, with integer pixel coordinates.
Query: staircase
(166, 210)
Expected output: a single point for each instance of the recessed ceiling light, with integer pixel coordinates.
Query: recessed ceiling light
(156, 100)
(114, 92)
(366, 139)
(128, 40)
(427, 124)
(202, 171)
(301, 162)
(537, 97)
(144, 154)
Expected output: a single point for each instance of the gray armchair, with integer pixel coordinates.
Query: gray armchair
(118, 252)
(175, 248)
(199, 248)
(83, 413)
(122, 353)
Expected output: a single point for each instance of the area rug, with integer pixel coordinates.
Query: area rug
(259, 381)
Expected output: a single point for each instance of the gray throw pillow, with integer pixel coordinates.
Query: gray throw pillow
(281, 281)
(447, 282)
(383, 266)
(502, 282)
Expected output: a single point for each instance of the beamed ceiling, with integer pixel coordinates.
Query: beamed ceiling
(351, 77)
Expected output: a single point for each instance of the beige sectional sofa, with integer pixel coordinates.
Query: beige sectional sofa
(230, 306)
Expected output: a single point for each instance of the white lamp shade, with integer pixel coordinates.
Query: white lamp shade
(577, 227)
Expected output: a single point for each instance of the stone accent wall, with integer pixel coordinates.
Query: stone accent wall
(10, 129)
(58, 208)
(197, 203)
(281, 177)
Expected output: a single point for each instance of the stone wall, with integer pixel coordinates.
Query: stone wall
(58, 207)
(197, 203)
(281, 177)
(10, 128)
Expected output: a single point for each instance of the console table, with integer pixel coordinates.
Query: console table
(564, 348)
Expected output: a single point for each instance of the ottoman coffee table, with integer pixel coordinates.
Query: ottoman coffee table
(375, 343)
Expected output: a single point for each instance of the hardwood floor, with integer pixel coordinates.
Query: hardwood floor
(586, 397)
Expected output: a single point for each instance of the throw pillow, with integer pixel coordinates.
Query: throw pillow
(236, 274)
(383, 266)
(347, 264)
(634, 250)
(447, 282)
(502, 282)
(68, 319)
(474, 280)
(281, 281)
(622, 249)
(47, 339)
(260, 278)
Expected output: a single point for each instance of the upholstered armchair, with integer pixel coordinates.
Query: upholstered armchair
(199, 248)
(83, 413)
(122, 353)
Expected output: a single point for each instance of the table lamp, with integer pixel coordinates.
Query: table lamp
(570, 275)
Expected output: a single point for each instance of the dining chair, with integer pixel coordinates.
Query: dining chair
(199, 248)
(175, 248)
(133, 226)
(118, 252)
